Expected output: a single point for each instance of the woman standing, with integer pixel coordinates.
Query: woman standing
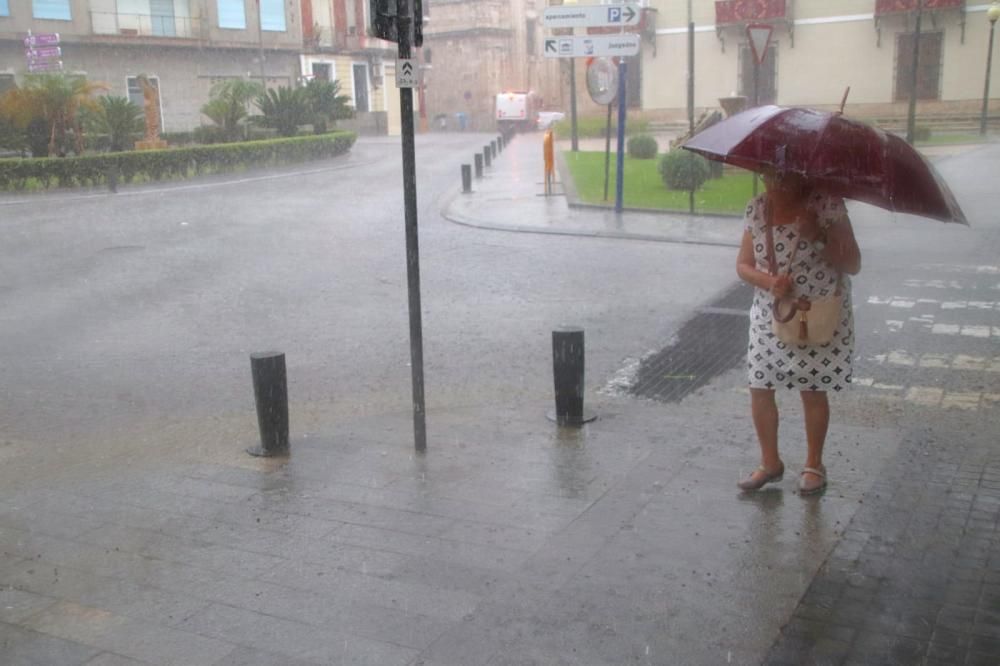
(798, 243)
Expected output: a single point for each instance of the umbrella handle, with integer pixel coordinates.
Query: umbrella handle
(843, 101)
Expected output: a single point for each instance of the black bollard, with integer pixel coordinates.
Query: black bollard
(270, 389)
(567, 370)
(479, 165)
(500, 143)
(486, 156)
(466, 178)
(493, 149)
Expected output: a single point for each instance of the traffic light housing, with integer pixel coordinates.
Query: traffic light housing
(383, 14)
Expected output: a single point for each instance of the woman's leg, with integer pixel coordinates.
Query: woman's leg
(765, 421)
(817, 415)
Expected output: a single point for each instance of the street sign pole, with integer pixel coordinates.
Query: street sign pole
(575, 141)
(404, 22)
(607, 153)
(620, 167)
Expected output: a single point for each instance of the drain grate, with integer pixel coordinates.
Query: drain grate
(712, 342)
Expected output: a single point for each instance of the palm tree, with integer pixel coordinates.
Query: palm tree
(229, 103)
(326, 104)
(58, 99)
(119, 118)
(284, 109)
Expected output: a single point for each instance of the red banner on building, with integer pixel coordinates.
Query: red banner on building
(748, 11)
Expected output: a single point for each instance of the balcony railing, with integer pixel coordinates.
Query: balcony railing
(897, 6)
(144, 25)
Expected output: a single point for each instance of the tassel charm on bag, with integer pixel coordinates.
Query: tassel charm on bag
(804, 306)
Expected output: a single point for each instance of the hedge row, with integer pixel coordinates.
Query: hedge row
(91, 170)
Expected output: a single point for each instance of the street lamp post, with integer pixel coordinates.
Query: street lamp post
(993, 13)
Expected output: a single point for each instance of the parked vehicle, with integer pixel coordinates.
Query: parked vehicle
(518, 111)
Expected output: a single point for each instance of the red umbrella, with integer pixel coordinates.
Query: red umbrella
(842, 156)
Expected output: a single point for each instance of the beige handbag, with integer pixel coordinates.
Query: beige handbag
(816, 320)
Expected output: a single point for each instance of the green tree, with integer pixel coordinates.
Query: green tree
(283, 109)
(117, 117)
(326, 104)
(228, 106)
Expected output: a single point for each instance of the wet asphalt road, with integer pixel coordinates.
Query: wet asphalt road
(126, 320)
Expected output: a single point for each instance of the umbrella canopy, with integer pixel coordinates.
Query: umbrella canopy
(842, 156)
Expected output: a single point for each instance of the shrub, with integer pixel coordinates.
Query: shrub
(283, 109)
(921, 133)
(170, 163)
(683, 170)
(642, 147)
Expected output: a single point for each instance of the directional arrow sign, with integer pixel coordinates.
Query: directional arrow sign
(584, 46)
(48, 66)
(44, 52)
(406, 73)
(590, 16)
(44, 39)
(760, 37)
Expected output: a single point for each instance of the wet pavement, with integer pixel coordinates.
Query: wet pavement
(513, 541)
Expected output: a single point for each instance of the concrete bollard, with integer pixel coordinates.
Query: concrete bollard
(479, 165)
(493, 149)
(568, 373)
(500, 143)
(466, 178)
(270, 389)
(486, 156)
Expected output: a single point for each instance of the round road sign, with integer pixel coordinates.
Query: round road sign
(602, 81)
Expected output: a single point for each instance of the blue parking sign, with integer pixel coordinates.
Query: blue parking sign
(614, 15)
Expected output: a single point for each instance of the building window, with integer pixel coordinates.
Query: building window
(529, 36)
(232, 14)
(57, 10)
(4, 8)
(321, 71)
(360, 87)
(161, 18)
(928, 66)
(136, 97)
(272, 15)
(767, 84)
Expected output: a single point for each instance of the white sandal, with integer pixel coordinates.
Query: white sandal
(808, 489)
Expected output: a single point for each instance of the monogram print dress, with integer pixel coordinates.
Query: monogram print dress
(771, 363)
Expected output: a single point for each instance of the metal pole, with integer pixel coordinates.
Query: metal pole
(620, 167)
(575, 141)
(986, 87)
(911, 114)
(403, 22)
(260, 45)
(607, 153)
(690, 73)
(756, 103)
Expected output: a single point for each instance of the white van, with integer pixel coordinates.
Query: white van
(518, 111)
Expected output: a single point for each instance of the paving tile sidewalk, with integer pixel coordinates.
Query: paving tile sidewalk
(513, 542)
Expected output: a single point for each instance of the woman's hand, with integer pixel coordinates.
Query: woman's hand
(809, 227)
(781, 286)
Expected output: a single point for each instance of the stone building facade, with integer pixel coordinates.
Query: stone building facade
(479, 48)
